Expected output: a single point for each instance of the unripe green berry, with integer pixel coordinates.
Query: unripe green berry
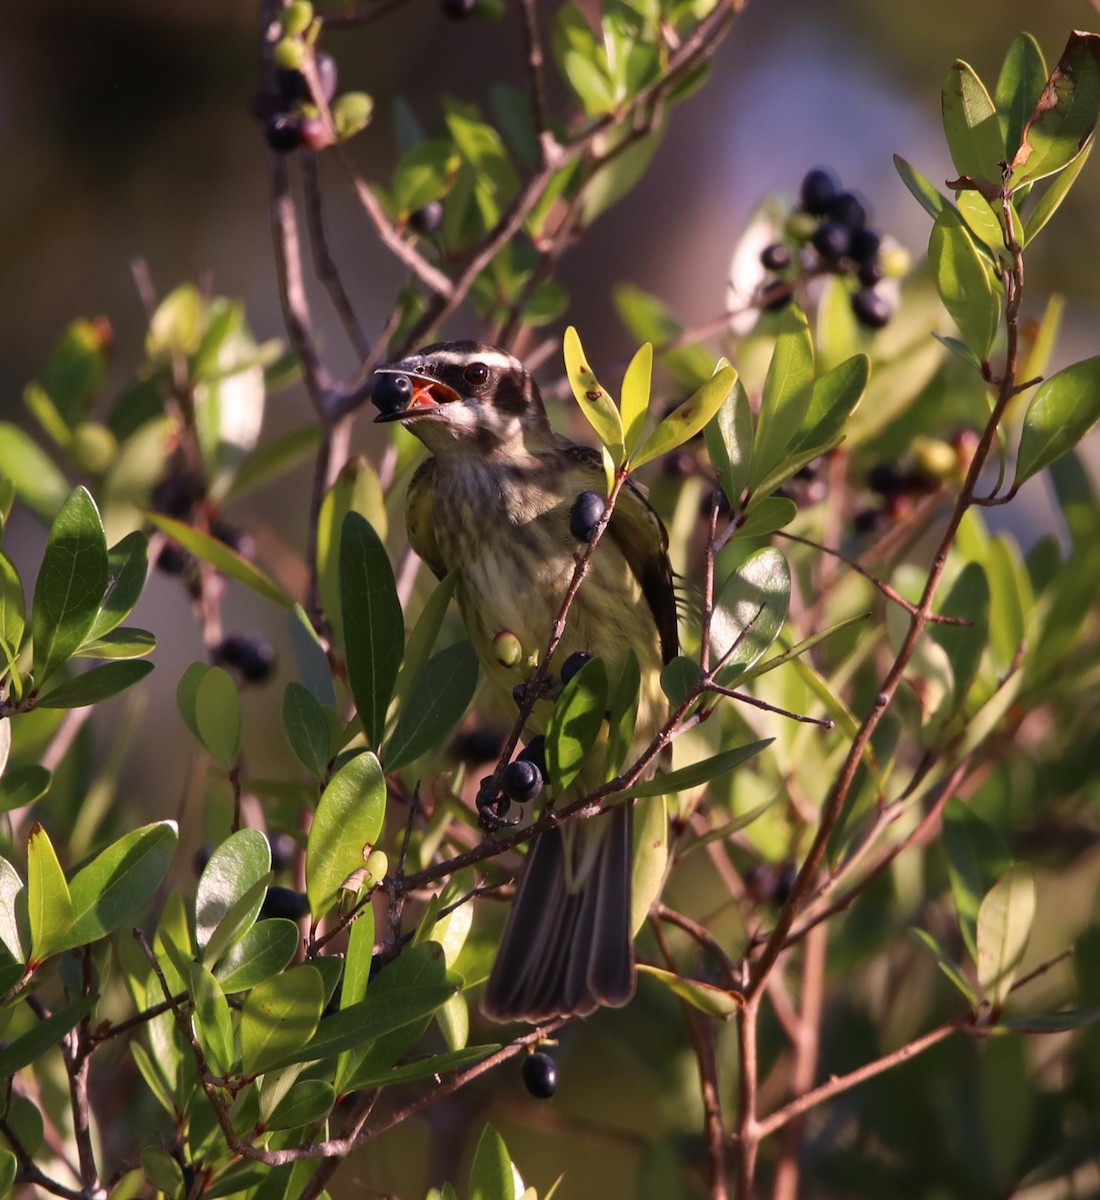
(93, 447)
(351, 112)
(896, 261)
(507, 649)
(297, 18)
(376, 866)
(935, 457)
(289, 54)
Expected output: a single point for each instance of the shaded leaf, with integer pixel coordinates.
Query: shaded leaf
(42, 1036)
(491, 1173)
(650, 858)
(307, 1101)
(766, 516)
(124, 642)
(965, 281)
(262, 951)
(434, 1066)
(435, 705)
(127, 568)
(13, 609)
(423, 637)
(307, 728)
(575, 723)
(968, 599)
(310, 658)
(268, 463)
(970, 122)
(788, 390)
(1019, 86)
(834, 398)
(1004, 927)
(953, 972)
(749, 612)
(715, 1001)
(95, 685)
(23, 785)
(696, 774)
(279, 1016)
(976, 858)
(926, 195)
(729, 443)
(211, 1020)
(623, 715)
(38, 482)
(217, 715)
(1062, 411)
(49, 904)
(1050, 201)
(1059, 1022)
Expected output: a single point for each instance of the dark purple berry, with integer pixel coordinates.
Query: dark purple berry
(284, 851)
(870, 271)
(535, 752)
(177, 494)
(200, 858)
(775, 296)
(173, 559)
(521, 781)
(251, 655)
(866, 520)
(885, 479)
(540, 1075)
(478, 745)
(291, 85)
(391, 392)
(819, 189)
(573, 664)
(832, 240)
(585, 515)
(782, 882)
(459, 8)
(865, 243)
(316, 134)
(870, 308)
(429, 218)
(848, 209)
(776, 257)
(283, 133)
(284, 902)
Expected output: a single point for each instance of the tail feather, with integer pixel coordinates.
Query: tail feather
(566, 951)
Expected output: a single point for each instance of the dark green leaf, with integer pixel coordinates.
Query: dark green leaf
(262, 951)
(307, 728)
(309, 656)
(38, 482)
(307, 1101)
(219, 555)
(953, 972)
(491, 1171)
(678, 678)
(729, 443)
(1065, 115)
(127, 567)
(1019, 87)
(968, 599)
(345, 828)
(689, 418)
(932, 201)
(434, 706)
(970, 122)
(788, 390)
(162, 1171)
(49, 904)
(575, 723)
(651, 321)
(424, 174)
(70, 584)
(237, 865)
(13, 609)
(976, 858)
(697, 773)
(964, 278)
(423, 1068)
(42, 1036)
(114, 887)
(715, 1001)
(1004, 927)
(123, 642)
(1060, 1022)
(623, 715)
(279, 1017)
(423, 637)
(1056, 192)
(833, 400)
(217, 715)
(23, 785)
(9, 1164)
(1061, 412)
(767, 515)
(749, 612)
(95, 685)
(374, 626)
(650, 868)
(211, 1020)
(186, 690)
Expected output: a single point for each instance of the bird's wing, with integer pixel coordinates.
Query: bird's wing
(419, 519)
(641, 536)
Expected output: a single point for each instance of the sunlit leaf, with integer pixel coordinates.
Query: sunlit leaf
(965, 281)
(307, 728)
(49, 903)
(932, 201)
(127, 567)
(715, 1001)
(976, 858)
(729, 443)
(217, 715)
(970, 122)
(435, 705)
(38, 482)
(1004, 927)
(1019, 87)
(241, 863)
(961, 983)
(575, 723)
(264, 950)
(1062, 411)
(634, 401)
(749, 612)
(788, 390)
(211, 1020)
(707, 769)
(1051, 200)
(689, 418)
(279, 1017)
(594, 401)
(491, 1173)
(95, 685)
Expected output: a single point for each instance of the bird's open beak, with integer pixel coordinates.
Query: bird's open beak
(428, 395)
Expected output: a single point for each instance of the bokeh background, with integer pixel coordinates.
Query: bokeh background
(126, 132)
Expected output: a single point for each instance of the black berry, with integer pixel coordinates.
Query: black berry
(573, 664)
(459, 8)
(783, 881)
(585, 515)
(885, 479)
(284, 902)
(200, 858)
(865, 243)
(173, 559)
(848, 209)
(870, 272)
(283, 133)
(776, 296)
(776, 257)
(832, 240)
(429, 218)
(870, 308)
(478, 745)
(521, 781)
(535, 752)
(177, 494)
(866, 520)
(819, 189)
(251, 655)
(391, 392)
(540, 1075)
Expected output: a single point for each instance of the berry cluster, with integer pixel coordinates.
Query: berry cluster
(521, 781)
(828, 234)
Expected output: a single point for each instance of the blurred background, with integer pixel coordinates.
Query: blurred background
(127, 134)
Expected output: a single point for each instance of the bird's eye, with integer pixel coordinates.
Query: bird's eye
(476, 374)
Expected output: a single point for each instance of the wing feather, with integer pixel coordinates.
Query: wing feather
(420, 519)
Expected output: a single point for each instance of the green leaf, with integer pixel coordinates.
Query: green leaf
(729, 443)
(211, 1020)
(1004, 926)
(491, 1173)
(263, 950)
(186, 690)
(976, 857)
(70, 584)
(435, 705)
(1059, 1022)
(49, 904)
(127, 568)
(424, 174)
(1052, 198)
(953, 972)
(965, 281)
(162, 1171)
(1019, 87)
(926, 195)
(634, 401)
(238, 865)
(279, 1017)
(11, 901)
(651, 853)
(685, 421)
(21, 786)
(970, 122)
(9, 1164)
(347, 824)
(575, 723)
(697, 773)
(217, 715)
(95, 685)
(274, 460)
(835, 397)
(982, 221)
(310, 658)
(123, 642)
(767, 515)
(423, 637)
(623, 715)
(374, 626)
(13, 608)
(43, 1036)
(1065, 115)
(1062, 411)
(968, 599)
(749, 612)
(651, 321)
(114, 887)
(220, 556)
(788, 390)
(678, 677)
(307, 728)
(38, 482)
(594, 402)
(424, 1068)
(714, 1001)
(307, 1101)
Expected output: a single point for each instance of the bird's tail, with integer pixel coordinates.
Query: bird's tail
(567, 947)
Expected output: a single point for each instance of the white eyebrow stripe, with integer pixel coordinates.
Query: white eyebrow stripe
(459, 358)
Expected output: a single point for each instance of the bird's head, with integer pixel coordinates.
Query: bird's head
(464, 397)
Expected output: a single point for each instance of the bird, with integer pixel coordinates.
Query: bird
(493, 503)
